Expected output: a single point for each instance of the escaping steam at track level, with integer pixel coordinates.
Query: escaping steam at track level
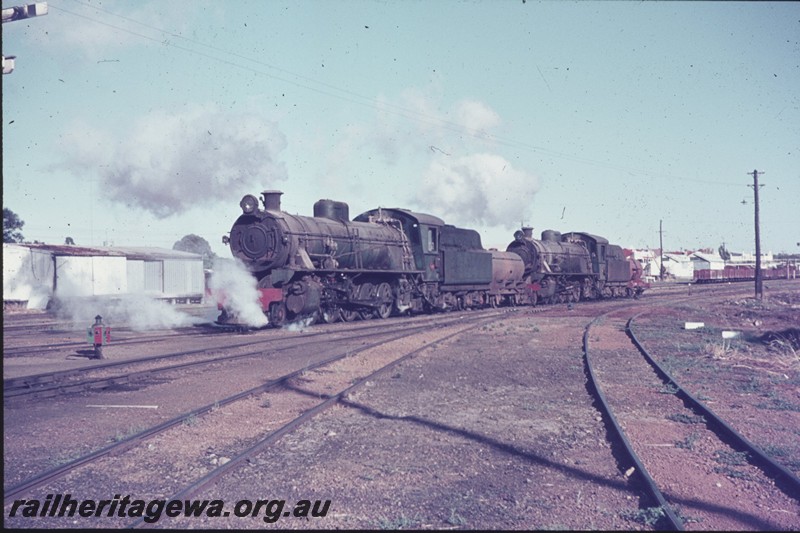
(234, 286)
(138, 311)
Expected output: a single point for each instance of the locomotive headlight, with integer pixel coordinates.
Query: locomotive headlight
(249, 204)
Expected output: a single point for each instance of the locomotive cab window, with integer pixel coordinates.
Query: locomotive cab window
(412, 231)
(431, 244)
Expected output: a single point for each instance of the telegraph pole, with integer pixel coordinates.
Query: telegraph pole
(661, 252)
(759, 291)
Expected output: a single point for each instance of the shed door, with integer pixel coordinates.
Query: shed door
(153, 277)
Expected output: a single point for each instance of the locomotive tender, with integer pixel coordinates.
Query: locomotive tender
(394, 261)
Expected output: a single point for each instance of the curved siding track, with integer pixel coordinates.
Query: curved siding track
(679, 449)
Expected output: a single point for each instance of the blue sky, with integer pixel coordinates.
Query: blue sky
(138, 122)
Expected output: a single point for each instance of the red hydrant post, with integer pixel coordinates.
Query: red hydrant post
(98, 335)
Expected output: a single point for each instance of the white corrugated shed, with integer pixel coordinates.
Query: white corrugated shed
(35, 271)
(153, 277)
(135, 276)
(183, 278)
(91, 275)
(680, 266)
(168, 274)
(27, 275)
(703, 261)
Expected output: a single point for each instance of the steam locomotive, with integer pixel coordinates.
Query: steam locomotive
(396, 261)
(576, 266)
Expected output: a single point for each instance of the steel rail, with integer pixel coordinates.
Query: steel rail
(21, 351)
(652, 490)
(782, 475)
(303, 418)
(49, 384)
(22, 488)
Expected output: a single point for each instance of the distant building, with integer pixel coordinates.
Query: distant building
(649, 260)
(34, 273)
(750, 259)
(682, 265)
(678, 265)
(707, 261)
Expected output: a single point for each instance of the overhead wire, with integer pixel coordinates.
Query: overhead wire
(359, 99)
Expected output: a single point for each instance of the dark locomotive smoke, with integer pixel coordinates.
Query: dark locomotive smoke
(172, 161)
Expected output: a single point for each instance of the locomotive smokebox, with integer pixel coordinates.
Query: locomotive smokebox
(272, 200)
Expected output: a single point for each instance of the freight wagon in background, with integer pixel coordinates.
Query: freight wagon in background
(33, 273)
(744, 273)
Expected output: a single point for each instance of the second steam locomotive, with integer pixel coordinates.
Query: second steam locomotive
(394, 261)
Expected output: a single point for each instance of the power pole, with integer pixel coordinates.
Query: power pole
(661, 252)
(759, 291)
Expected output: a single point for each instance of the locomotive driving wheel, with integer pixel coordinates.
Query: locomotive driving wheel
(277, 313)
(349, 315)
(576, 293)
(385, 301)
(331, 314)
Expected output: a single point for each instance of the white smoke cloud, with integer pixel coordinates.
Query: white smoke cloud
(476, 117)
(448, 157)
(136, 311)
(236, 286)
(173, 161)
(479, 188)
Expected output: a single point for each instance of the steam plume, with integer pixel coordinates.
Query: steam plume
(171, 161)
(233, 284)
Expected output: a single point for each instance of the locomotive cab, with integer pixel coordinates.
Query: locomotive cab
(612, 269)
(423, 233)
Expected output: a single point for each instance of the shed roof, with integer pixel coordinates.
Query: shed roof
(711, 258)
(69, 249)
(148, 252)
(679, 258)
(129, 252)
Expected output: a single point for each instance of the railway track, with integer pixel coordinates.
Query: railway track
(273, 408)
(682, 454)
(115, 373)
(354, 369)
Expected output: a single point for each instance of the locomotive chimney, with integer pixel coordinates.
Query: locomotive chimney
(272, 200)
(527, 231)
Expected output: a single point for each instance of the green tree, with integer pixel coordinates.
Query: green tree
(196, 245)
(12, 225)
